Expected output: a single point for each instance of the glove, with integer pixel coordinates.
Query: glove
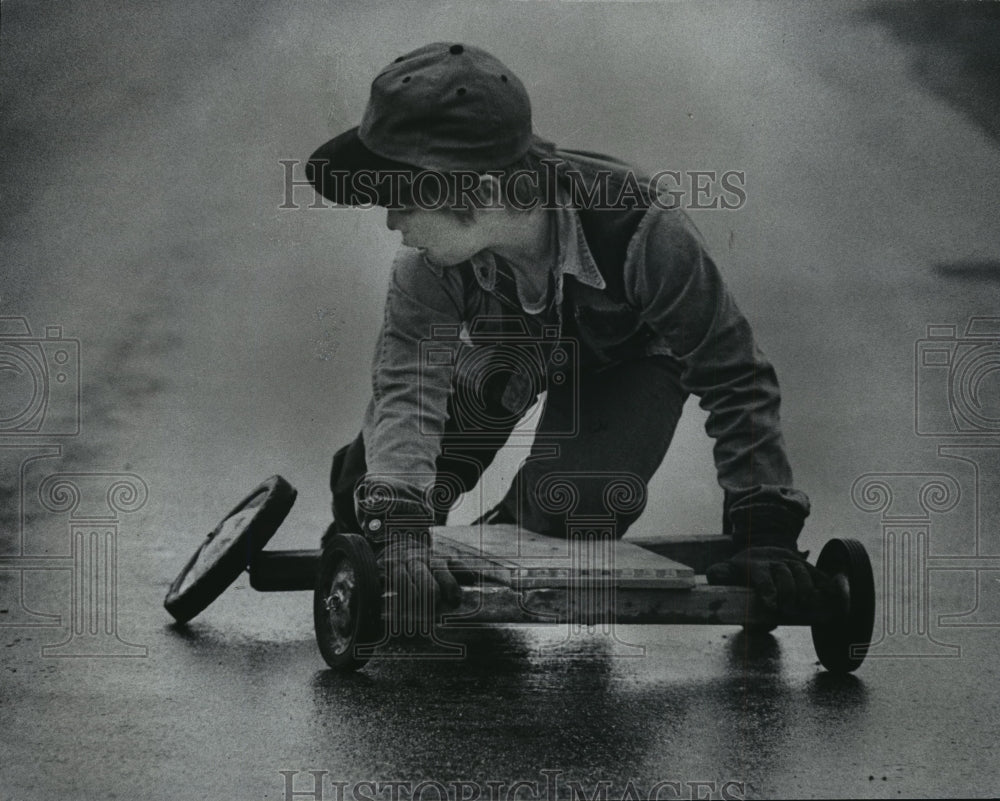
(399, 533)
(407, 568)
(781, 577)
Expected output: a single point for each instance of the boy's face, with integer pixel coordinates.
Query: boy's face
(441, 236)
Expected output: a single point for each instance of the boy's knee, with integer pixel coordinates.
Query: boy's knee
(348, 468)
(560, 505)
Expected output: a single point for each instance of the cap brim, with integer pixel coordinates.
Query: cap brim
(346, 172)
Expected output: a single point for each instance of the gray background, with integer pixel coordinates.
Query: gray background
(223, 339)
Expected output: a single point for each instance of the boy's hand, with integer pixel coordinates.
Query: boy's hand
(783, 580)
(419, 581)
(399, 532)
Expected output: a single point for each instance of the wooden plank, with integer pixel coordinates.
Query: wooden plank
(522, 559)
(470, 565)
(283, 571)
(702, 604)
(696, 551)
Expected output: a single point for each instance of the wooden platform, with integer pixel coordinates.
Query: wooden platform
(517, 558)
(497, 553)
(697, 551)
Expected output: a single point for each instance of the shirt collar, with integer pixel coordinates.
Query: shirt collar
(575, 257)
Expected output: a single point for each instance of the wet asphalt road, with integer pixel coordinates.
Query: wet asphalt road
(223, 339)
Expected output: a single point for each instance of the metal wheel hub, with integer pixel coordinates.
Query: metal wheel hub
(338, 607)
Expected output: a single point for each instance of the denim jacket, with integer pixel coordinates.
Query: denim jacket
(659, 294)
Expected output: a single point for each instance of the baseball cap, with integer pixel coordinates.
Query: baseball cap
(442, 107)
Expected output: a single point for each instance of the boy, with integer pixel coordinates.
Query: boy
(524, 269)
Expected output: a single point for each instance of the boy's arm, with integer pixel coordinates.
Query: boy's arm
(411, 384)
(681, 295)
(402, 432)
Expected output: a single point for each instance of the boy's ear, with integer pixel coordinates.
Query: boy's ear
(488, 193)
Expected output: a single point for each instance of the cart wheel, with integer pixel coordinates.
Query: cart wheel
(842, 645)
(227, 550)
(347, 602)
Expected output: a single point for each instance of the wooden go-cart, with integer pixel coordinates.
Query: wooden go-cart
(510, 575)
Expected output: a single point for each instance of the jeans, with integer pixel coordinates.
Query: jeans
(598, 442)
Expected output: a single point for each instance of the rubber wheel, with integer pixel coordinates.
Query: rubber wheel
(843, 644)
(227, 550)
(347, 602)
